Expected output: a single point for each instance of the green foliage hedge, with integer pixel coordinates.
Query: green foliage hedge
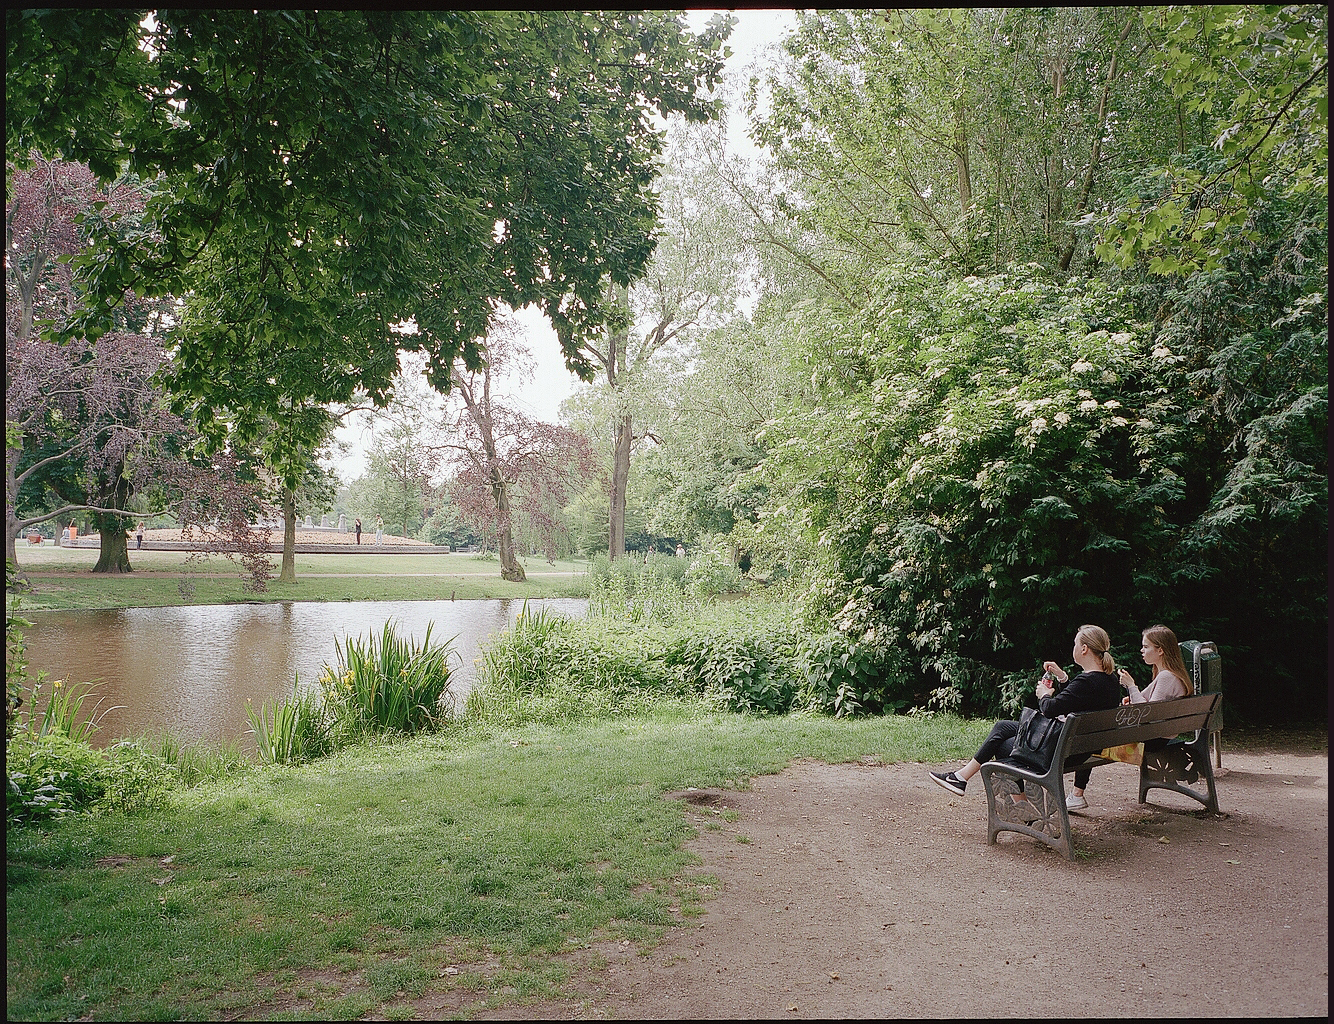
(746, 656)
(51, 776)
(51, 769)
(991, 462)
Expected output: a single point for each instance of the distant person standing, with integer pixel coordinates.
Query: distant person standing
(680, 551)
(379, 529)
(139, 535)
(358, 529)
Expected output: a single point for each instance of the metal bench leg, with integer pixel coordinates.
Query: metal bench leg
(1047, 798)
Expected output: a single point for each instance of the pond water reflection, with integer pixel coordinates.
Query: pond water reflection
(192, 669)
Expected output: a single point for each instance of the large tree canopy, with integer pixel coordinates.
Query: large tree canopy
(328, 175)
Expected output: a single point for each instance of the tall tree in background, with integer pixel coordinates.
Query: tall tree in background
(509, 465)
(968, 136)
(698, 274)
(406, 450)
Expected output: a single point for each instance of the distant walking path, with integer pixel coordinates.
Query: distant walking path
(155, 574)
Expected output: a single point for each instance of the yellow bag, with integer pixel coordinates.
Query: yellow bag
(1127, 753)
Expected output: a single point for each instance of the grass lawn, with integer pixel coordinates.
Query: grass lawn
(344, 887)
(63, 578)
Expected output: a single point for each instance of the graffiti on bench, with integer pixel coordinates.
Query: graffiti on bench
(1131, 714)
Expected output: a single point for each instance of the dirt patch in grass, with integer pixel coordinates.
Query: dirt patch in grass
(866, 891)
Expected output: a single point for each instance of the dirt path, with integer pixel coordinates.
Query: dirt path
(866, 891)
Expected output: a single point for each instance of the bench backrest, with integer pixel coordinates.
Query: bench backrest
(1091, 731)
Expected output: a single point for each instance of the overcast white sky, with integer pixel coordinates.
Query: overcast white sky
(551, 382)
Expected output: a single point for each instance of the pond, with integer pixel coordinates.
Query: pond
(192, 669)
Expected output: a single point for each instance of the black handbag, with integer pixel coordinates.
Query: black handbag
(1035, 745)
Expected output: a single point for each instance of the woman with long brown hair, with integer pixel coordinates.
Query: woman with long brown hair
(1170, 678)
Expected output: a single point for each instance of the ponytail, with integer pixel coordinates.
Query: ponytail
(1095, 638)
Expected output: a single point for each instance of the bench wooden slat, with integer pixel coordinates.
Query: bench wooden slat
(1145, 714)
(1091, 743)
(1135, 723)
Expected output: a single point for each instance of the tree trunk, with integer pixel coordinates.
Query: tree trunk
(114, 547)
(510, 569)
(1095, 154)
(288, 574)
(113, 542)
(11, 537)
(620, 476)
(618, 349)
(961, 160)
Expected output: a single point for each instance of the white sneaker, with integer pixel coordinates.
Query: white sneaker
(1075, 803)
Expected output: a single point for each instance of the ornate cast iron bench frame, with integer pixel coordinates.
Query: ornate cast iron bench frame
(1174, 766)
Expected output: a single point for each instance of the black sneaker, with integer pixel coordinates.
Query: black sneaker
(950, 781)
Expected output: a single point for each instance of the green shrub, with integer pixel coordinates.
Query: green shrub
(53, 775)
(384, 684)
(50, 776)
(655, 588)
(387, 683)
(136, 779)
(743, 665)
(844, 676)
(550, 668)
(299, 728)
(710, 574)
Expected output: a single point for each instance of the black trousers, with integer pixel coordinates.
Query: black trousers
(1000, 742)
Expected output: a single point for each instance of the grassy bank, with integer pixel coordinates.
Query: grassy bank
(352, 884)
(63, 578)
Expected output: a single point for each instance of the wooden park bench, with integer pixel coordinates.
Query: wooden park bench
(1175, 766)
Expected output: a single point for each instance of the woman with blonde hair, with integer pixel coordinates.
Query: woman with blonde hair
(1171, 679)
(1094, 689)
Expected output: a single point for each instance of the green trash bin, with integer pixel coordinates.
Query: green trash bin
(1206, 670)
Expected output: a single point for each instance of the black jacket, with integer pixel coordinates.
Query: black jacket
(1088, 691)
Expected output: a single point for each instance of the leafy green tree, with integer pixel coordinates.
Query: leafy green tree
(990, 448)
(975, 137)
(700, 271)
(1255, 79)
(287, 452)
(701, 472)
(405, 459)
(329, 175)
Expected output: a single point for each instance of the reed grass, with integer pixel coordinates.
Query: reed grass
(378, 685)
(197, 762)
(60, 713)
(293, 730)
(550, 668)
(388, 684)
